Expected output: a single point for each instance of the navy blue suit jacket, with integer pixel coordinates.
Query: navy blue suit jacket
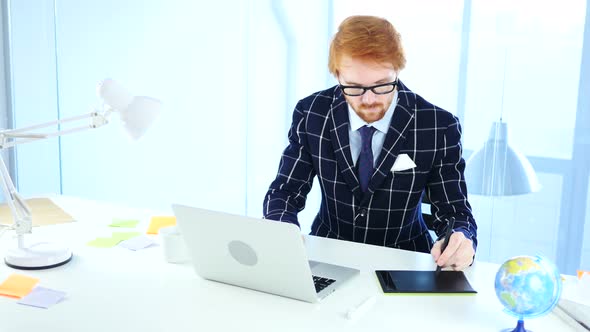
(388, 214)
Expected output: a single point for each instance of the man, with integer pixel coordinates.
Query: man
(376, 148)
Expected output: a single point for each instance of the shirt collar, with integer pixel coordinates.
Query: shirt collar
(382, 125)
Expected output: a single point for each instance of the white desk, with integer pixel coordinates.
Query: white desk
(121, 290)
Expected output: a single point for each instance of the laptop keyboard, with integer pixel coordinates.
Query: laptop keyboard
(321, 283)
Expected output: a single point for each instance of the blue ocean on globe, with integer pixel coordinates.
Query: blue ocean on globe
(528, 286)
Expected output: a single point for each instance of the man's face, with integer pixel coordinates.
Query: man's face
(370, 107)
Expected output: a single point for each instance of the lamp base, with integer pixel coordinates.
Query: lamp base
(38, 256)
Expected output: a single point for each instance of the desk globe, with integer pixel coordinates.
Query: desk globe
(527, 287)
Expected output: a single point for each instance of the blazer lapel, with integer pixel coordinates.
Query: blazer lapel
(341, 142)
(402, 118)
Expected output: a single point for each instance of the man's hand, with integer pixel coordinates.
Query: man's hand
(458, 254)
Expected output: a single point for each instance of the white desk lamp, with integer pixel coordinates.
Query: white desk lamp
(136, 113)
(497, 169)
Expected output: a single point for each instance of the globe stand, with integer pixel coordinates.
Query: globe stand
(519, 327)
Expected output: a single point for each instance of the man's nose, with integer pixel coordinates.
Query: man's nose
(368, 97)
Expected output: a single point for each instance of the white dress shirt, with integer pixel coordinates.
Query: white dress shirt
(378, 137)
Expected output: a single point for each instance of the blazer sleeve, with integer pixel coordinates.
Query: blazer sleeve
(446, 187)
(288, 192)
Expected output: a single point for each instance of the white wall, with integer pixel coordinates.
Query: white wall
(220, 71)
(270, 103)
(184, 54)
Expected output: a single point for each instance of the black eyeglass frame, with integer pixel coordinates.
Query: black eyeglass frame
(372, 88)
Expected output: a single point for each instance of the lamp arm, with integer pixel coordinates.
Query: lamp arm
(13, 137)
(20, 210)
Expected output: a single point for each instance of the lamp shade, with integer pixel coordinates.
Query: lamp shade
(137, 113)
(499, 170)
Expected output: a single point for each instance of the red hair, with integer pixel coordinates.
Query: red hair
(366, 37)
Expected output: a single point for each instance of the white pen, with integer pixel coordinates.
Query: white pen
(362, 308)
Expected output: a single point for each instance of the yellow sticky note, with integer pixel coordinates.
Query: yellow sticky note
(17, 285)
(160, 221)
(581, 273)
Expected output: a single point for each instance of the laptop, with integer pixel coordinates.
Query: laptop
(263, 255)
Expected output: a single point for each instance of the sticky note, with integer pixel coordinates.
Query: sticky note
(161, 221)
(42, 297)
(104, 242)
(137, 243)
(17, 285)
(122, 236)
(581, 273)
(124, 223)
(109, 242)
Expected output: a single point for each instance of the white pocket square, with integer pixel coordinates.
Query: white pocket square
(402, 163)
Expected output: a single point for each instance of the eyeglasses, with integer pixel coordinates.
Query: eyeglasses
(379, 89)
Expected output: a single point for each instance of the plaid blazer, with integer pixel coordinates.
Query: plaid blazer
(388, 213)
